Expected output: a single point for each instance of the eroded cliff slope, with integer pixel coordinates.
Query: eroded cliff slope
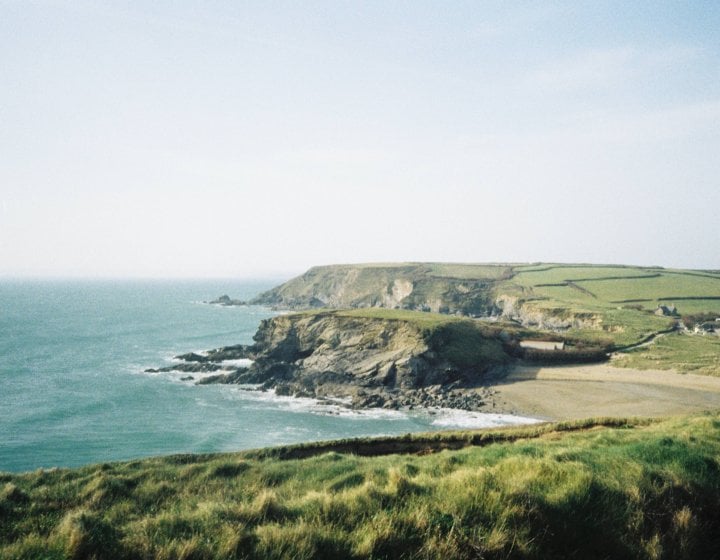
(373, 360)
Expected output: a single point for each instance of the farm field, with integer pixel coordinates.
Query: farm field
(680, 352)
(623, 299)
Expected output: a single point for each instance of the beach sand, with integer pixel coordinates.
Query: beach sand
(567, 392)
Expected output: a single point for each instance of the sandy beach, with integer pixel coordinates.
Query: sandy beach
(556, 393)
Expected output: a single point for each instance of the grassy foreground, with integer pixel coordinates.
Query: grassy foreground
(591, 489)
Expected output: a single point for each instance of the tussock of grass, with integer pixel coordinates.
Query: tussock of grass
(589, 489)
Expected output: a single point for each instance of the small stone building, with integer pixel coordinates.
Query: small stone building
(542, 345)
(666, 311)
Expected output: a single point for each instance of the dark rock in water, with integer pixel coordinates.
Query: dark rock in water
(199, 368)
(391, 405)
(237, 352)
(232, 378)
(371, 401)
(187, 378)
(227, 301)
(212, 379)
(192, 357)
(191, 367)
(283, 391)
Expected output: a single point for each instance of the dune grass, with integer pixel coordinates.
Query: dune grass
(620, 489)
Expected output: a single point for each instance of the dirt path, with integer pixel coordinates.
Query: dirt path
(602, 390)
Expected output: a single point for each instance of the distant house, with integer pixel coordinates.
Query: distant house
(542, 345)
(666, 311)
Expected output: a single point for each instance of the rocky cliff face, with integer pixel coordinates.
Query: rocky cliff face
(422, 287)
(532, 316)
(375, 362)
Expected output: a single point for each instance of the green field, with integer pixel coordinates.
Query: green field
(684, 353)
(550, 274)
(591, 489)
(612, 286)
(623, 299)
(422, 319)
(470, 271)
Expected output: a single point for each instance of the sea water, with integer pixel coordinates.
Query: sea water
(73, 387)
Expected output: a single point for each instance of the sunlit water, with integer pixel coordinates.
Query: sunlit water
(73, 391)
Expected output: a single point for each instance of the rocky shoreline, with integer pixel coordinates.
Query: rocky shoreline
(369, 363)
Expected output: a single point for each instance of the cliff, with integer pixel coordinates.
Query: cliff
(455, 289)
(440, 288)
(375, 359)
(602, 303)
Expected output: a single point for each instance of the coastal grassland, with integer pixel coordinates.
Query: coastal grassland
(613, 326)
(664, 287)
(622, 298)
(418, 318)
(470, 271)
(680, 352)
(588, 489)
(615, 285)
(625, 327)
(552, 274)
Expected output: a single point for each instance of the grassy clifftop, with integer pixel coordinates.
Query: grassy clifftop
(606, 305)
(591, 489)
(472, 289)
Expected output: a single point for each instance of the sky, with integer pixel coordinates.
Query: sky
(257, 139)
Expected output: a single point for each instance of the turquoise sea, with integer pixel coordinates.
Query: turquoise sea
(73, 391)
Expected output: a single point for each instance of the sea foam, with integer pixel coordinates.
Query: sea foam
(452, 418)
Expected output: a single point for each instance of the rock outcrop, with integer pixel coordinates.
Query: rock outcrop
(529, 314)
(375, 362)
(227, 301)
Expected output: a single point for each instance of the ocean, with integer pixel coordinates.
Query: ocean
(73, 389)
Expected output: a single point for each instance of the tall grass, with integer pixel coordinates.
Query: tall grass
(626, 489)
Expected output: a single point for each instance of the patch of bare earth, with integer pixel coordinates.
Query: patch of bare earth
(558, 393)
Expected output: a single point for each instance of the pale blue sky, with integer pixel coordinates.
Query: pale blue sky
(162, 139)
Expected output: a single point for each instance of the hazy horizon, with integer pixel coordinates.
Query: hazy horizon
(282, 276)
(197, 141)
